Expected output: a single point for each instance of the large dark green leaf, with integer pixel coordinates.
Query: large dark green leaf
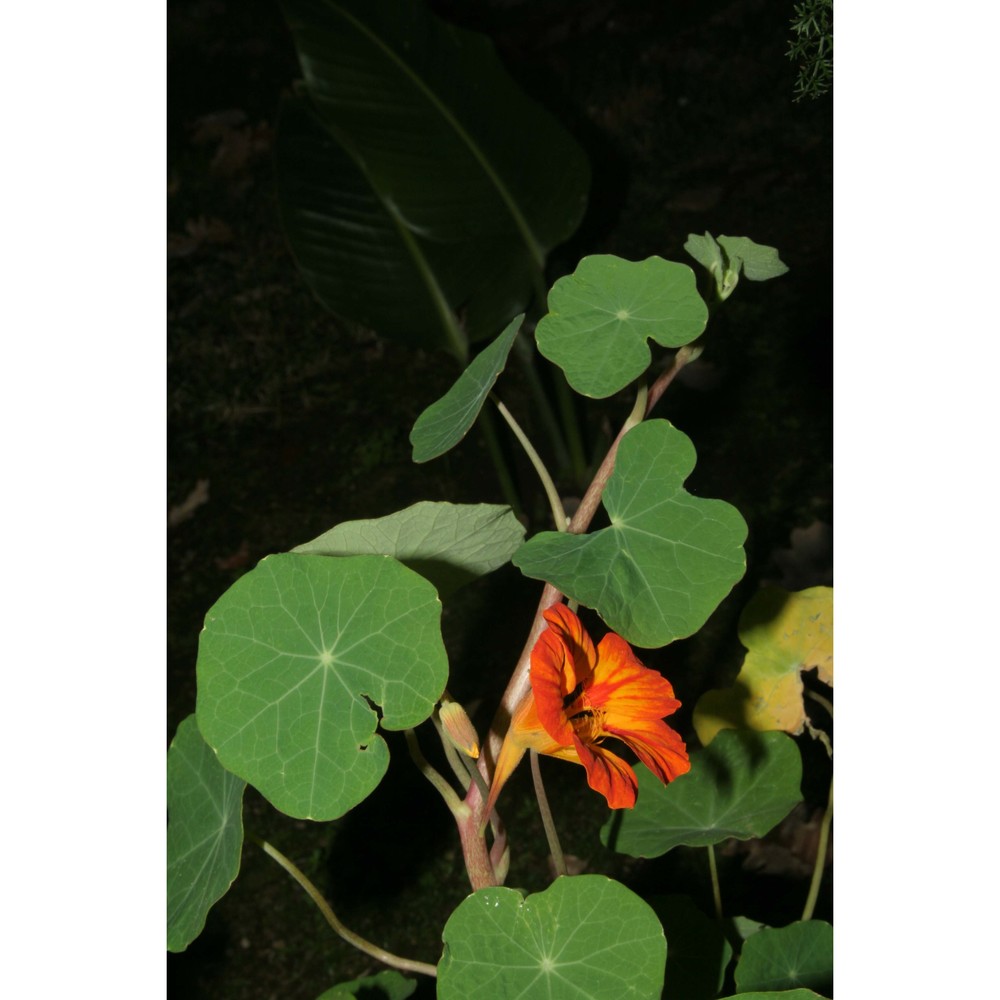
(458, 178)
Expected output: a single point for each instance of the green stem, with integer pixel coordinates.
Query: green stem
(525, 354)
(386, 957)
(458, 808)
(817, 876)
(507, 486)
(555, 848)
(555, 502)
(716, 891)
(454, 758)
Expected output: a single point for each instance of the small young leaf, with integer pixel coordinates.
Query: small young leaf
(707, 252)
(741, 786)
(385, 985)
(291, 662)
(204, 833)
(448, 544)
(583, 937)
(730, 256)
(601, 316)
(666, 560)
(759, 263)
(784, 958)
(784, 633)
(698, 950)
(444, 423)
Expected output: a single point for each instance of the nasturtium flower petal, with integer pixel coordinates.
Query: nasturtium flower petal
(581, 695)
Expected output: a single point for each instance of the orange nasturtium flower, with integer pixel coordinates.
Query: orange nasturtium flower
(581, 695)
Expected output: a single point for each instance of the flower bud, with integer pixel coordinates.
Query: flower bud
(458, 727)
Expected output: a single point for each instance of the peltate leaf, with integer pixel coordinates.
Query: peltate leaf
(601, 316)
(785, 958)
(583, 937)
(385, 985)
(741, 786)
(784, 633)
(291, 661)
(444, 423)
(698, 950)
(478, 180)
(204, 833)
(448, 544)
(666, 560)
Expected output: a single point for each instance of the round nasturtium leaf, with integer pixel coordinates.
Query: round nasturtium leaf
(666, 560)
(204, 833)
(292, 660)
(584, 938)
(785, 958)
(602, 315)
(784, 633)
(741, 786)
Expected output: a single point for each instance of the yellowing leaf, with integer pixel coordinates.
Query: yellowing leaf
(784, 633)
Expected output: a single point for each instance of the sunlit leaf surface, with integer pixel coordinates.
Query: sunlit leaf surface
(583, 938)
(666, 560)
(293, 659)
(784, 633)
(602, 315)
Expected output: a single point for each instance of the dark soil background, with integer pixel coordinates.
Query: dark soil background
(284, 421)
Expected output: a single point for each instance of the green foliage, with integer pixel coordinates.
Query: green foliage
(416, 181)
(307, 655)
(204, 834)
(666, 560)
(784, 958)
(784, 634)
(812, 47)
(386, 985)
(448, 544)
(290, 661)
(445, 422)
(729, 256)
(583, 937)
(601, 316)
(741, 786)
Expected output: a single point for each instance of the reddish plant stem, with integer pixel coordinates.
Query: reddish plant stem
(473, 842)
